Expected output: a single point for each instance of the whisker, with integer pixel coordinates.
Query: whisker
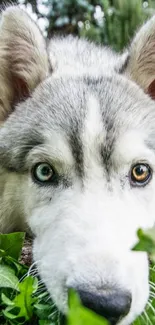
(152, 283)
(23, 277)
(48, 298)
(147, 318)
(151, 286)
(141, 317)
(151, 307)
(40, 282)
(152, 294)
(31, 269)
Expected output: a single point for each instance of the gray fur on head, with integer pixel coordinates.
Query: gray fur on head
(88, 113)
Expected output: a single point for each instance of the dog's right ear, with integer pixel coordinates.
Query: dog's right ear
(23, 58)
(140, 65)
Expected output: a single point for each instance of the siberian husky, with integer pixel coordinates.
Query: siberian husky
(77, 157)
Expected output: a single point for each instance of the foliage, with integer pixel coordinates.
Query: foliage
(109, 22)
(23, 300)
(78, 315)
(120, 22)
(146, 242)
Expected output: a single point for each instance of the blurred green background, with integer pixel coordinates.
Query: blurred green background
(110, 22)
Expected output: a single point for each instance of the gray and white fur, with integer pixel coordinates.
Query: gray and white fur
(89, 114)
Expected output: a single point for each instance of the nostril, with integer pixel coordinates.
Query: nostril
(112, 305)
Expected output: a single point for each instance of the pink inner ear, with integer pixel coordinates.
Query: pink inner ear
(151, 90)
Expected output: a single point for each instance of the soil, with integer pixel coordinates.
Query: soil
(26, 256)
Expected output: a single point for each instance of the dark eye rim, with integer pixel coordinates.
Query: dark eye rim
(52, 179)
(135, 183)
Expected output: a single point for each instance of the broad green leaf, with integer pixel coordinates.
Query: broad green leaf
(46, 322)
(146, 242)
(24, 301)
(43, 310)
(79, 315)
(8, 278)
(8, 314)
(7, 301)
(12, 244)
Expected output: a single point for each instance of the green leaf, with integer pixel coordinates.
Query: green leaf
(12, 244)
(43, 310)
(46, 322)
(146, 242)
(24, 301)
(7, 301)
(9, 315)
(79, 315)
(8, 278)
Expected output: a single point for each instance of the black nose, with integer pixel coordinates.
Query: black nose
(112, 305)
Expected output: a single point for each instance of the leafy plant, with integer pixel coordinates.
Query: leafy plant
(146, 242)
(23, 300)
(108, 22)
(78, 315)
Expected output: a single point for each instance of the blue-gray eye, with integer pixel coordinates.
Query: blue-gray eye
(43, 172)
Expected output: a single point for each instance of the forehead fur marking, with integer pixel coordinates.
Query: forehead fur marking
(107, 148)
(77, 149)
(93, 137)
(93, 124)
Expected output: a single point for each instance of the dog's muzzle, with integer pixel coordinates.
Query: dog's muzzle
(113, 305)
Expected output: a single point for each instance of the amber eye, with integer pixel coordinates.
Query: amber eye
(140, 174)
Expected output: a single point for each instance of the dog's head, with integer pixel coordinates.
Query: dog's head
(77, 155)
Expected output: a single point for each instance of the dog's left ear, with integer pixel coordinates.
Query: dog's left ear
(23, 58)
(141, 63)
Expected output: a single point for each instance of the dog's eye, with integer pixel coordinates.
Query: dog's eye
(43, 172)
(140, 174)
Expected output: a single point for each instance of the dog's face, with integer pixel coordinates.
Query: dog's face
(81, 150)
